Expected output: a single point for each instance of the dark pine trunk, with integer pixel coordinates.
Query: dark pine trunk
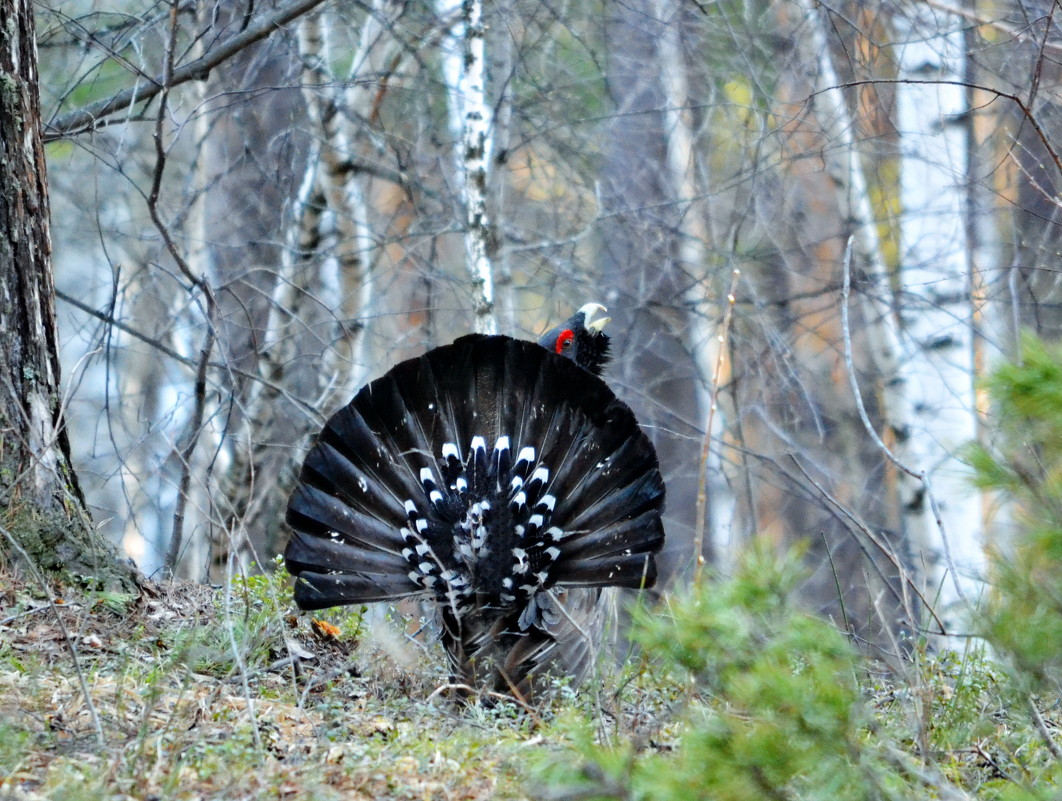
(41, 505)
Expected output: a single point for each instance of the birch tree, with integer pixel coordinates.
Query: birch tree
(329, 253)
(465, 70)
(936, 309)
(704, 336)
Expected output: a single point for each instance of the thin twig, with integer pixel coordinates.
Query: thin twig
(881, 546)
(237, 654)
(702, 482)
(165, 349)
(195, 426)
(927, 775)
(1023, 107)
(195, 422)
(97, 725)
(1015, 32)
(470, 690)
(26, 613)
(837, 583)
(1041, 726)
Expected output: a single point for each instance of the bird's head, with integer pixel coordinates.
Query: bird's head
(581, 338)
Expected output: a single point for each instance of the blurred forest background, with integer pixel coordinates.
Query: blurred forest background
(815, 225)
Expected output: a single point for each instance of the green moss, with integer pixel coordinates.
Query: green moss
(61, 545)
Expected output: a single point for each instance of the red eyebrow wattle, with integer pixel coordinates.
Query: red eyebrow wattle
(564, 339)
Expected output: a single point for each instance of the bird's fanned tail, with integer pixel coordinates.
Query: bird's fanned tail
(496, 477)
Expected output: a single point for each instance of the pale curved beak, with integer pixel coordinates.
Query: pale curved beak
(594, 324)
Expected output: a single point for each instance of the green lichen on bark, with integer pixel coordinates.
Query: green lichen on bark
(63, 547)
(10, 103)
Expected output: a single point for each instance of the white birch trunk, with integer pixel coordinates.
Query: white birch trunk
(350, 271)
(376, 50)
(935, 302)
(500, 46)
(882, 334)
(324, 288)
(343, 228)
(464, 68)
(303, 236)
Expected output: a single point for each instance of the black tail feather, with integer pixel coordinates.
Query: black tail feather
(314, 512)
(325, 555)
(321, 591)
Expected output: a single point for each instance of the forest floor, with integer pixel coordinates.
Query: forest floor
(194, 692)
(105, 697)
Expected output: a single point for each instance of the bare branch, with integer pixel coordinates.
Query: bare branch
(982, 21)
(94, 115)
(165, 349)
(1041, 727)
(881, 546)
(195, 422)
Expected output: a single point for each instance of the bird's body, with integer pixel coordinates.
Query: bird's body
(501, 480)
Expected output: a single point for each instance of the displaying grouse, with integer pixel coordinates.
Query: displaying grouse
(502, 479)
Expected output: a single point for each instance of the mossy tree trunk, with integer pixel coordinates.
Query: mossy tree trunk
(41, 505)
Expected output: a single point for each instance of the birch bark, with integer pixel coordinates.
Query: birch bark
(935, 301)
(464, 67)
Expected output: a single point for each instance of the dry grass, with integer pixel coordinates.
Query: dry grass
(296, 715)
